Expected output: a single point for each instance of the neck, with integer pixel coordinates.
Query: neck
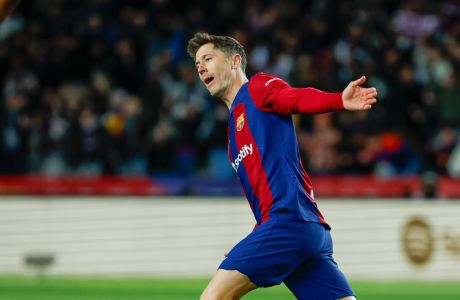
(240, 79)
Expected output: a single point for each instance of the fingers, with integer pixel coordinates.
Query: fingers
(359, 81)
(371, 101)
(368, 103)
(370, 96)
(369, 93)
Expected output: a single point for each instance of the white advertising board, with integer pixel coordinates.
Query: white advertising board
(187, 237)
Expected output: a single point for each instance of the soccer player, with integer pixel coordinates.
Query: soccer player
(291, 242)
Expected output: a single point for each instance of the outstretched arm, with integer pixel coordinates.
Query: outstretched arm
(355, 97)
(271, 93)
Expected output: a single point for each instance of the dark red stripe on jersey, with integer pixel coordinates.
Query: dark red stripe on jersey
(252, 162)
(231, 159)
(308, 187)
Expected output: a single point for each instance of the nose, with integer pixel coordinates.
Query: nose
(201, 68)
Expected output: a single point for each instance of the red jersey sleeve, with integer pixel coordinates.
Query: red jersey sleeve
(271, 93)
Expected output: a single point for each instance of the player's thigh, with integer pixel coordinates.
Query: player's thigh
(320, 278)
(228, 284)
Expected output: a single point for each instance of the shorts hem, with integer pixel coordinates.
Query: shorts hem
(256, 282)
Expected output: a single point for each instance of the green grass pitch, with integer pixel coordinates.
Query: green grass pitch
(62, 288)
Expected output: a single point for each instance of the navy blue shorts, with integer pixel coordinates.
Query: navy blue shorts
(295, 252)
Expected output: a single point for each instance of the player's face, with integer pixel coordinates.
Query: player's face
(214, 69)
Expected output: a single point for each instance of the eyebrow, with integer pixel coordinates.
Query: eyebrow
(202, 57)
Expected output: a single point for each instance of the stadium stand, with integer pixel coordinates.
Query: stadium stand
(105, 87)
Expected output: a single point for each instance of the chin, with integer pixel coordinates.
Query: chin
(215, 93)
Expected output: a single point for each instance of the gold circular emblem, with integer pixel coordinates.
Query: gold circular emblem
(418, 241)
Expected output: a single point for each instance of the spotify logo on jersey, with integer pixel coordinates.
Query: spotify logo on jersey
(418, 241)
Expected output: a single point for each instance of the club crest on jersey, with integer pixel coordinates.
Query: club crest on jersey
(240, 122)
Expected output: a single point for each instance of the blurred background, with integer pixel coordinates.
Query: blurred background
(99, 98)
(106, 87)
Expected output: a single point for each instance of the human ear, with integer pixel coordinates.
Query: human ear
(236, 61)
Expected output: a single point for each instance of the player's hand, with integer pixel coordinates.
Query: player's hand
(355, 97)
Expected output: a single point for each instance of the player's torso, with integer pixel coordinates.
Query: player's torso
(263, 151)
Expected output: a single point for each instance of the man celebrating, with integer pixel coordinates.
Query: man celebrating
(291, 242)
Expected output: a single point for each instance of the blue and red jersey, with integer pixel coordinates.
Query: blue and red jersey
(263, 148)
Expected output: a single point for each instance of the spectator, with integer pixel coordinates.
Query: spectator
(105, 87)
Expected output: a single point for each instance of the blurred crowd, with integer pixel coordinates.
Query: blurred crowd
(106, 87)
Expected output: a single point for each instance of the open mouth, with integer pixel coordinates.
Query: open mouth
(208, 80)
